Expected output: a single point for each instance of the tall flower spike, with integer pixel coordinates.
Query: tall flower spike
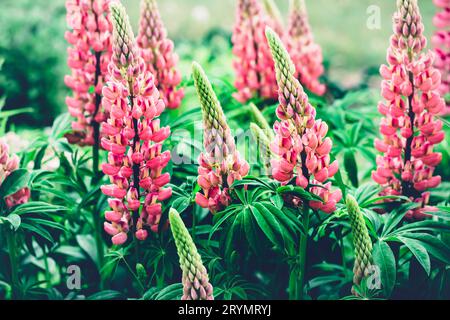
(305, 53)
(441, 43)
(409, 126)
(301, 146)
(261, 121)
(195, 277)
(88, 58)
(158, 53)
(253, 65)
(275, 20)
(133, 136)
(220, 164)
(361, 242)
(263, 143)
(8, 164)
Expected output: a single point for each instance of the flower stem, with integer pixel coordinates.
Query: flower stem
(302, 253)
(12, 246)
(99, 242)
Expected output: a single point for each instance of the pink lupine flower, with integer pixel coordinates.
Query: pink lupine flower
(88, 58)
(133, 136)
(253, 64)
(158, 53)
(409, 126)
(220, 164)
(304, 51)
(301, 145)
(8, 164)
(441, 44)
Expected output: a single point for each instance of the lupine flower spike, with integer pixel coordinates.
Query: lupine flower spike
(158, 53)
(275, 20)
(263, 143)
(441, 43)
(261, 121)
(88, 58)
(301, 146)
(196, 285)
(255, 76)
(133, 137)
(305, 53)
(409, 127)
(8, 164)
(361, 242)
(220, 164)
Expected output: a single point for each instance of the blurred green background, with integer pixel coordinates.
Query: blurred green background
(33, 45)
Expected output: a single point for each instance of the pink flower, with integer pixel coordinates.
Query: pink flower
(409, 126)
(9, 164)
(133, 136)
(220, 164)
(158, 54)
(88, 57)
(305, 53)
(301, 145)
(253, 65)
(441, 44)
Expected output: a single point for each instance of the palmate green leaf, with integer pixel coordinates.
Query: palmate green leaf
(395, 217)
(365, 193)
(87, 243)
(299, 192)
(181, 204)
(424, 226)
(418, 250)
(38, 207)
(384, 258)
(13, 219)
(222, 217)
(233, 233)
(351, 167)
(37, 230)
(61, 126)
(46, 223)
(289, 222)
(169, 293)
(255, 181)
(250, 230)
(268, 224)
(106, 295)
(434, 246)
(16, 181)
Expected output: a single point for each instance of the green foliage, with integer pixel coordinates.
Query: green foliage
(252, 249)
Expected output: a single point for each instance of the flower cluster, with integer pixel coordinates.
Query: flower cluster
(133, 136)
(301, 145)
(409, 127)
(361, 242)
(8, 164)
(196, 285)
(305, 53)
(158, 53)
(88, 58)
(220, 164)
(263, 134)
(253, 65)
(441, 43)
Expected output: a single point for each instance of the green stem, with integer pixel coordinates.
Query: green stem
(302, 253)
(135, 276)
(47, 273)
(99, 242)
(12, 251)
